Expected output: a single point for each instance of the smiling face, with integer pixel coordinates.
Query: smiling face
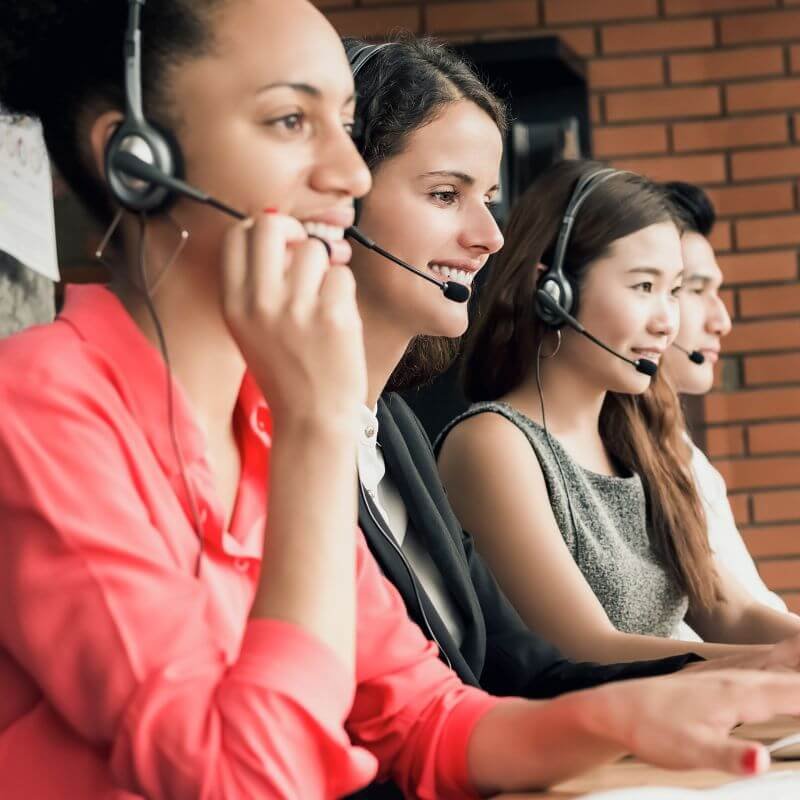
(628, 301)
(429, 206)
(704, 318)
(265, 122)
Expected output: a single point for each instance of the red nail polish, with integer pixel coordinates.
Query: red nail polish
(750, 761)
(270, 210)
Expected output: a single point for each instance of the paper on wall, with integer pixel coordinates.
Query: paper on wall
(27, 218)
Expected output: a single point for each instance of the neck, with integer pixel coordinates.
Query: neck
(384, 344)
(205, 360)
(572, 402)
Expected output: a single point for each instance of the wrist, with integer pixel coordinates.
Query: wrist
(599, 714)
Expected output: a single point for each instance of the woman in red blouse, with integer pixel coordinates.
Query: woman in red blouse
(161, 637)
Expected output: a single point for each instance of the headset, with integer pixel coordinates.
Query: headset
(136, 136)
(555, 296)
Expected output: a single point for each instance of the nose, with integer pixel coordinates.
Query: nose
(339, 168)
(719, 320)
(480, 232)
(665, 317)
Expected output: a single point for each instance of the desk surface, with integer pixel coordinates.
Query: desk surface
(630, 772)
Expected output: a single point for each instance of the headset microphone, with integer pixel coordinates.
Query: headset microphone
(642, 365)
(456, 292)
(695, 356)
(131, 165)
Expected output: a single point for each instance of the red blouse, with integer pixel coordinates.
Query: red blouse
(122, 674)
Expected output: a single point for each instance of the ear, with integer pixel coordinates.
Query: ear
(101, 131)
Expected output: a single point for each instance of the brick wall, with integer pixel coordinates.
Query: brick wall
(705, 91)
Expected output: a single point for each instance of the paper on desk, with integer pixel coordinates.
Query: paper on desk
(27, 219)
(771, 786)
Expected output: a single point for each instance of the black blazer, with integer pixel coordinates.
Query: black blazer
(499, 652)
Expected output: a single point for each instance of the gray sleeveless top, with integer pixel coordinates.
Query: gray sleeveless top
(610, 541)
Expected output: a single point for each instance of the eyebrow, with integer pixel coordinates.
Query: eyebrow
(461, 176)
(698, 277)
(304, 88)
(655, 271)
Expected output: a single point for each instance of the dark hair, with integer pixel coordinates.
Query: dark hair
(693, 205)
(400, 89)
(644, 433)
(59, 59)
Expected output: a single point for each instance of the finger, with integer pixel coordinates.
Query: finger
(234, 261)
(737, 756)
(307, 268)
(270, 237)
(338, 290)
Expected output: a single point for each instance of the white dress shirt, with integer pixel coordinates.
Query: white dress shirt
(387, 499)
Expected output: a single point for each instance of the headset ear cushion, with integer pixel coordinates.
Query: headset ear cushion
(154, 144)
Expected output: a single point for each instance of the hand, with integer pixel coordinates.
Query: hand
(683, 721)
(295, 319)
(784, 656)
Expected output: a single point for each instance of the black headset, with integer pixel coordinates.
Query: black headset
(554, 282)
(135, 135)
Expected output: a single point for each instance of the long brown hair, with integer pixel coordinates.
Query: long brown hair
(644, 433)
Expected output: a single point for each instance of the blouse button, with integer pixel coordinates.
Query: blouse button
(241, 564)
(369, 432)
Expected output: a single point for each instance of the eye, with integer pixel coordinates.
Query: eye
(677, 290)
(645, 286)
(291, 123)
(446, 197)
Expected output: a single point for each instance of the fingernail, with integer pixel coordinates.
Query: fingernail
(750, 761)
(270, 210)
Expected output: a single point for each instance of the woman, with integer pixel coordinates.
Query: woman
(158, 638)
(609, 571)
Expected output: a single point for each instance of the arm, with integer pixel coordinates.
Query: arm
(497, 490)
(99, 606)
(740, 618)
(676, 722)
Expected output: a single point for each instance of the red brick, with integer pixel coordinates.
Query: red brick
(725, 64)
(794, 57)
(757, 198)
(756, 404)
(616, 73)
(754, 337)
(781, 438)
(768, 231)
(781, 574)
(705, 6)
(775, 162)
(725, 441)
(696, 169)
(375, 22)
(663, 103)
(479, 16)
(596, 109)
(766, 27)
(775, 540)
(721, 238)
(792, 599)
(557, 11)
(658, 36)
(728, 297)
(761, 370)
(776, 506)
(759, 473)
(770, 301)
(743, 268)
(629, 140)
(740, 507)
(581, 40)
(759, 95)
(733, 132)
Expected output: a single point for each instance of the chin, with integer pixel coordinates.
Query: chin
(451, 323)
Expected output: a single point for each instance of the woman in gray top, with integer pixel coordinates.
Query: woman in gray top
(571, 470)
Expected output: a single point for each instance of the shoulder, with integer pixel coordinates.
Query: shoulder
(487, 442)
(51, 366)
(710, 483)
